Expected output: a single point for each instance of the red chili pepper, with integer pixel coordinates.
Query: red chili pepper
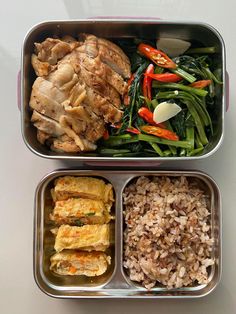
(130, 80)
(156, 56)
(159, 132)
(165, 77)
(147, 82)
(147, 116)
(106, 135)
(133, 130)
(126, 95)
(200, 84)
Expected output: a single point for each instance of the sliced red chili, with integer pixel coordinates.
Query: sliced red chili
(126, 97)
(156, 56)
(201, 84)
(147, 82)
(130, 80)
(133, 130)
(106, 135)
(147, 116)
(159, 132)
(165, 77)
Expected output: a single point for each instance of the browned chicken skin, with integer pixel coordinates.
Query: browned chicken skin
(79, 89)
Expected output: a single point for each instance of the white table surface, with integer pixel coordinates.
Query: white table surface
(21, 170)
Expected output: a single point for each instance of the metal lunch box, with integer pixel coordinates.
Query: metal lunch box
(115, 283)
(118, 28)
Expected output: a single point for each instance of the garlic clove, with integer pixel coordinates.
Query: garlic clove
(164, 111)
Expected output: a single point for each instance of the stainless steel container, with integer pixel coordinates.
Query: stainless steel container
(118, 28)
(115, 283)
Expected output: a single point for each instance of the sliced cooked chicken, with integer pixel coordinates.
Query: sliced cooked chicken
(111, 55)
(64, 77)
(64, 144)
(97, 83)
(95, 126)
(110, 45)
(101, 106)
(42, 100)
(42, 136)
(100, 86)
(46, 125)
(99, 69)
(71, 41)
(68, 126)
(76, 95)
(51, 50)
(40, 68)
(67, 144)
(102, 70)
(47, 88)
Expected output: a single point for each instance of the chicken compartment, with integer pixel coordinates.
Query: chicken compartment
(80, 86)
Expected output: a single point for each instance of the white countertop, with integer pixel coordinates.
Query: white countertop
(21, 170)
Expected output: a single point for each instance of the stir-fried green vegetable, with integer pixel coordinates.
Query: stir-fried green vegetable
(192, 87)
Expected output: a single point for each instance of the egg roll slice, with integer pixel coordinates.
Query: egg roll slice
(80, 211)
(84, 187)
(86, 238)
(72, 263)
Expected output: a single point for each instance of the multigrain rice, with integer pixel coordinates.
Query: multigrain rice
(167, 234)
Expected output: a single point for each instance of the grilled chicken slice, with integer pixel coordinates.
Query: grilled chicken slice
(43, 101)
(46, 124)
(50, 100)
(64, 77)
(110, 45)
(51, 50)
(66, 144)
(42, 137)
(94, 125)
(47, 88)
(100, 87)
(71, 41)
(82, 93)
(108, 52)
(102, 70)
(98, 68)
(41, 68)
(98, 84)
(101, 106)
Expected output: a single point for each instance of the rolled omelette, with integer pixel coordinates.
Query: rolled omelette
(80, 263)
(84, 187)
(86, 238)
(80, 211)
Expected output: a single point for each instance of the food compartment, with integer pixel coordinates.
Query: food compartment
(64, 276)
(155, 251)
(115, 282)
(119, 30)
